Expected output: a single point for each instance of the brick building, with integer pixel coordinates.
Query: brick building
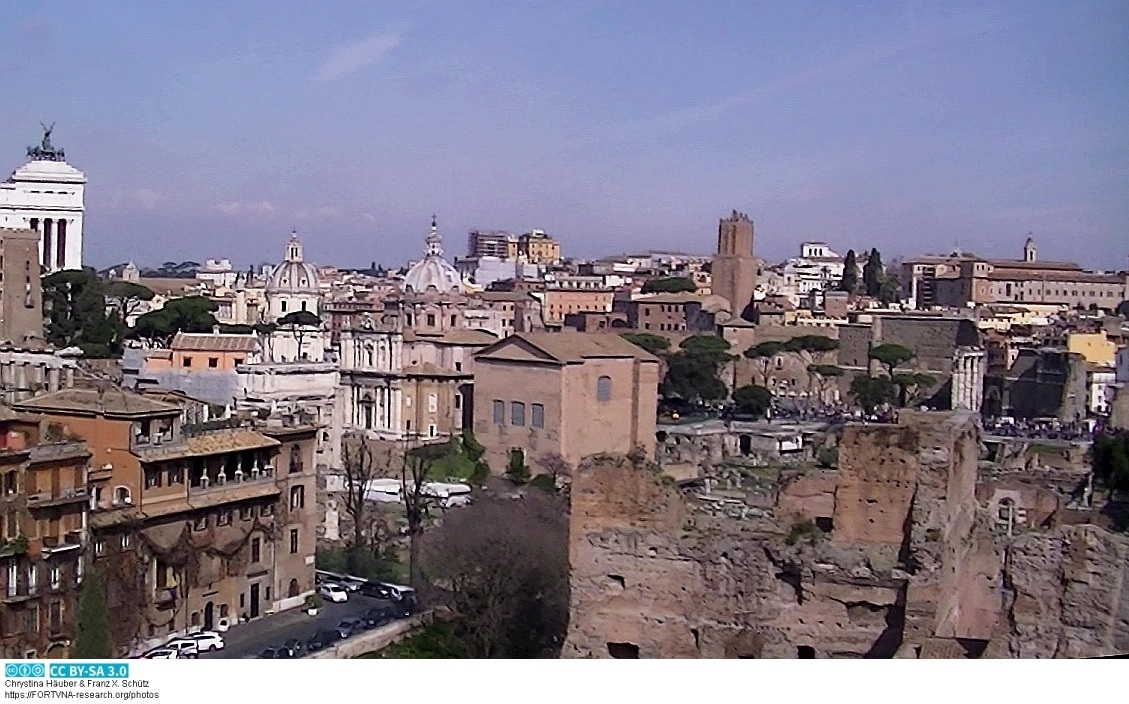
(44, 504)
(21, 296)
(190, 525)
(569, 393)
(733, 275)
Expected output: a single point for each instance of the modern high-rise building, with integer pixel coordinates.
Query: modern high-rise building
(491, 243)
(734, 271)
(46, 195)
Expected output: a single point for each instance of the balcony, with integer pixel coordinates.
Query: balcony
(46, 499)
(100, 474)
(53, 545)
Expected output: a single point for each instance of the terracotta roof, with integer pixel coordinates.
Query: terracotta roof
(574, 347)
(213, 443)
(505, 296)
(214, 342)
(113, 401)
(453, 337)
(428, 369)
(1065, 276)
(1019, 264)
(670, 298)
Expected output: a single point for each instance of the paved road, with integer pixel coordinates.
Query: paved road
(272, 631)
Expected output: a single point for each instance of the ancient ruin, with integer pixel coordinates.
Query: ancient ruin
(917, 545)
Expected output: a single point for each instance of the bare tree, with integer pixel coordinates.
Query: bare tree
(505, 564)
(413, 477)
(556, 466)
(360, 469)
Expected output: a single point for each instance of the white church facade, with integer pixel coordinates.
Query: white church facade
(46, 195)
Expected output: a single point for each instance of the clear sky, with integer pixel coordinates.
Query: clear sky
(212, 128)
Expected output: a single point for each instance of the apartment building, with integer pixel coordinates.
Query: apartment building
(190, 525)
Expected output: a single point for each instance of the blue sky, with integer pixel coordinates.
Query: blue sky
(212, 128)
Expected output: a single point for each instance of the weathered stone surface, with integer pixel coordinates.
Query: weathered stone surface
(913, 566)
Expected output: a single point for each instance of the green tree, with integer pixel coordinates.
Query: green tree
(752, 400)
(298, 324)
(692, 377)
(75, 307)
(1123, 309)
(709, 347)
(873, 274)
(850, 280)
(870, 392)
(672, 284)
(763, 354)
(188, 314)
(655, 344)
(126, 298)
(516, 469)
(1110, 460)
(891, 355)
(92, 632)
(909, 384)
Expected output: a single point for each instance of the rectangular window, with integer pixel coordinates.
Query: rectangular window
(99, 548)
(432, 403)
(224, 518)
(176, 475)
(152, 477)
(297, 497)
(293, 541)
(430, 320)
(499, 408)
(537, 416)
(238, 361)
(244, 513)
(213, 362)
(56, 577)
(55, 616)
(124, 541)
(186, 362)
(256, 550)
(432, 431)
(517, 413)
(200, 523)
(266, 510)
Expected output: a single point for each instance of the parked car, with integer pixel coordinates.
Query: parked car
(379, 615)
(207, 641)
(350, 626)
(294, 646)
(350, 584)
(161, 654)
(275, 654)
(376, 590)
(184, 647)
(332, 591)
(321, 640)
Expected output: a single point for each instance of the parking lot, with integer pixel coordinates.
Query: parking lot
(250, 639)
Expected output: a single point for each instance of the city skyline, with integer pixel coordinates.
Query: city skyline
(614, 127)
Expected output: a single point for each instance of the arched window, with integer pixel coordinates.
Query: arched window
(604, 388)
(293, 590)
(121, 495)
(303, 306)
(283, 304)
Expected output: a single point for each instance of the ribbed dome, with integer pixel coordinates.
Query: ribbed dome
(293, 275)
(433, 271)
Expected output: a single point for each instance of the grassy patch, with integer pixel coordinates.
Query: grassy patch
(383, 567)
(437, 641)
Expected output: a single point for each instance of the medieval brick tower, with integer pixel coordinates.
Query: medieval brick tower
(734, 272)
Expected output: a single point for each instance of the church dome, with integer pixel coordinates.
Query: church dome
(433, 271)
(293, 275)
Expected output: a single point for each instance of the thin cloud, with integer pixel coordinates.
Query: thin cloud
(353, 57)
(235, 207)
(974, 24)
